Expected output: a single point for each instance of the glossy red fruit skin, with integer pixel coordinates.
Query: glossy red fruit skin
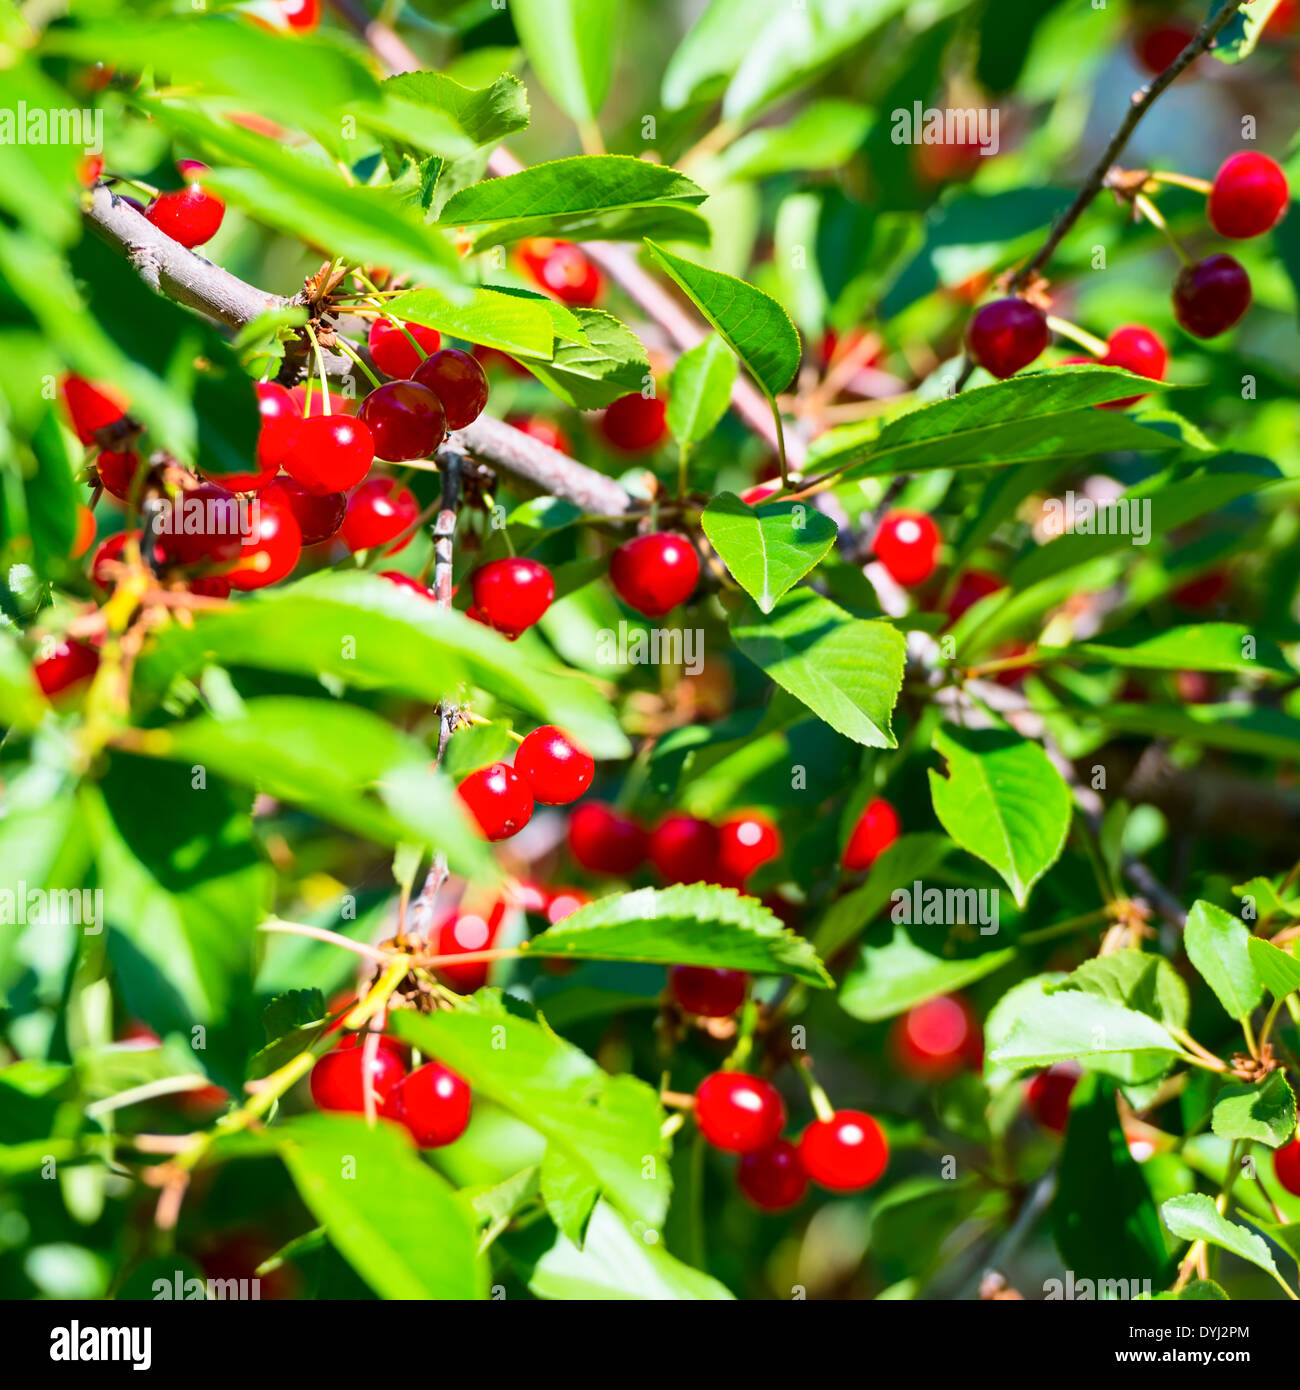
(378, 512)
(937, 1039)
(1286, 1166)
(394, 353)
(64, 666)
(654, 573)
(876, 829)
(1139, 350)
(1048, 1094)
(845, 1153)
(319, 515)
(462, 933)
(330, 453)
(281, 420)
(605, 842)
(1211, 296)
(498, 799)
(635, 423)
(339, 1079)
(746, 843)
(1006, 335)
(406, 421)
(91, 406)
(406, 581)
(773, 1178)
(272, 549)
(972, 585)
(511, 595)
(543, 431)
(190, 215)
(210, 586)
(205, 522)
(557, 769)
(684, 849)
(117, 469)
(243, 482)
(738, 1112)
(562, 268)
(459, 383)
(1248, 197)
(302, 16)
(433, 1103)
(708, 992)
(907, 544)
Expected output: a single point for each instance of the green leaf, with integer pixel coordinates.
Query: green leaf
(1003, 802)
(440, 115)
(1278, 969)
(1057, 1027)
(1267, 900)
(607, 1126)
(1265, 1112)
(571, 46)
(610, 362)
(1237, 39)
(569, 1191)
(1195, 1217)
(756, 328)
(687, 924)
(22, 706)
(1135, 979)
(699, 390)
(825, 134)
(896, 970)
(1196, 647)
(511, 323)
(847, 670)
(767, 549)
(1218, 946)
(387, 1212)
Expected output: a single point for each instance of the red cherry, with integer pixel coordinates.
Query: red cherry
(116, 469)
(339, 1079)
(561, 268)
(737, 1112)
(907, 544)
(557, 769)
(876, 829)
(210, 586)
(394, 1045)
(972, 585)
(543, 431)
(511, 595)
(773, 1178)
(433, 1103)
(1204, 591)
(1210, 296)
(191, 215)
(319, 515)
(684, 849)
(107, 556)
(654, 573)
(1006, 335)
(1048, 1094)
(1248, 197)
(746, 843)
(847, 1152)
(405, 419)
(271, 550)
(85, 533)
(499, 801)
(302, 16)
(331, 453)
(708, 992)
(936, 1039)
(394, 353)
(1137, 349)
(605, 842)
(459, 383)
(378, 512)
(64, 665)
(92, 406)
(1286, 1166)
(760, 492)
(204, 526)
(281, 421)
(465, 932)
(1156, 47)
(635, 423)
(406, 581)
(564, 902)
(89, 170)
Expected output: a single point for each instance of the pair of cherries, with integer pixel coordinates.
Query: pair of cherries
(550, 768)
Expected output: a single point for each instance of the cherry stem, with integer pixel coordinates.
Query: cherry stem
(820, 1100)
(278, 925)
(1153, 215)
(320, 367)
(1181, 181)
(780, 444)
(1066, 329)
(349, 351)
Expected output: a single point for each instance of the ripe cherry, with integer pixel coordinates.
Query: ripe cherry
(561, 268)
(406, 581)
(116, 469)
(92, 406)
(498, 799)
(459, 383)
(511, 595)
(543, 431)
(271, 550)
(907, 544)
(465, 932)
(773, 1178)
(708, 992)
(210, 586)
(1286, 1166)
(1210, 296)
(433, 1103)
(302, 16)
(737, 1112)
(330, 453)
(654, 573)
(378, 512)
(876, 829)
(281, 420)
(190, 215)
(1137, 349)
(1158, 45)
(635, 423)
(1006, 335)
(746, 843)
(684, 849)
(406, 421)
(557, 769)
(937, 1039)
(339, 1080)
(203, 526)
(89, 169)
(1248, 197)
(847, 1152)
(758, 494)
(319, 515)
(394, 353)
(63, 666)
(1048, 1094)
(972, 585)
(605, 842)
(1204, 591)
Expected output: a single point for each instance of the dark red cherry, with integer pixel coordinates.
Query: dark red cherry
(467, 931)
(738, 1112)
(684, 849)
(319, 515)
(1248, 197)
(378, 512)
(511, 595)
(433, 1103)
(339, 1080)
(556, 767)
(654, 573)
(773, 1178)
(498, 799)
(406, 421)
(972, 585)
(708, 992)
(202, 525)
(1006, 335)
(605, 842)
(635, 423)
(393, 352)
(1211, 296)
(459, 383)
(92, 406)
(117, 469)
(62, 666)
(876, 829)
(847, 1152)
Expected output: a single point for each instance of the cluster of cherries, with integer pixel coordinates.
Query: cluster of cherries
(681, 848)
(550, 769)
